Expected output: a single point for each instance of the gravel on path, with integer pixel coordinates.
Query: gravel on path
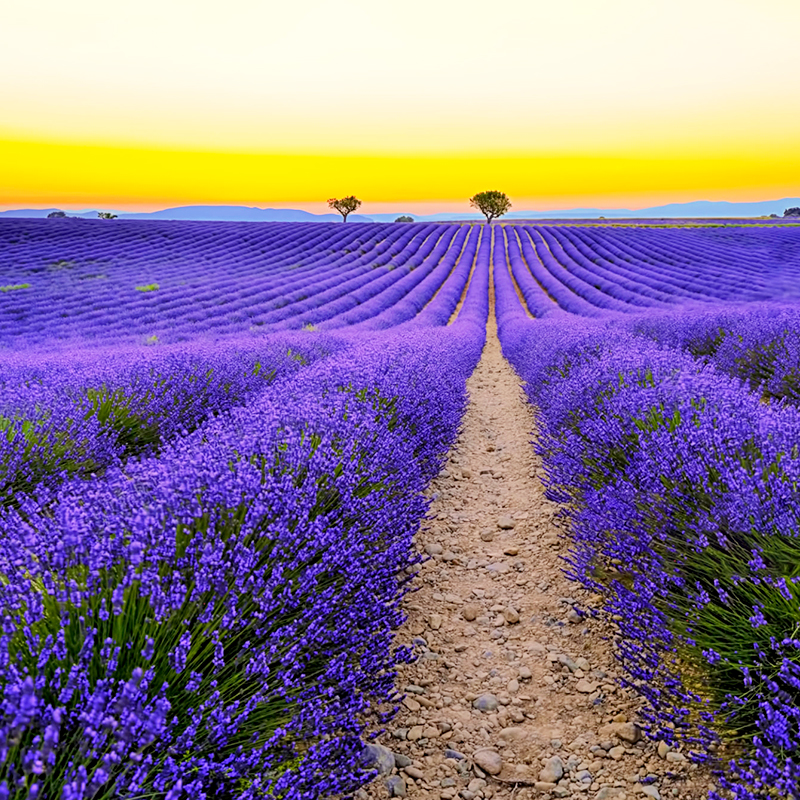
(514, 693)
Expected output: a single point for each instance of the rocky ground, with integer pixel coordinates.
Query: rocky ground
(514, 694)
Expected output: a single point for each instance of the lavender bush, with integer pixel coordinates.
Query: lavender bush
(208, 490)
(681, 490)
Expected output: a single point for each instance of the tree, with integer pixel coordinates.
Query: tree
(106, 215)
(491, 204)
(792, 212)
(404, 218)
(345, 206)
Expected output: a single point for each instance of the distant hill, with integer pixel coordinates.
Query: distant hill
(204, 214)
(696, 209)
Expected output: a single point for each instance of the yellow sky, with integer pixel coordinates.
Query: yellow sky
(419, 103)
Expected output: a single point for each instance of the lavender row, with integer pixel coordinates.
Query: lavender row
(255, 281)
(589, 272)
(218, 620)
(681, 491)
(75, 413)
(758, 343)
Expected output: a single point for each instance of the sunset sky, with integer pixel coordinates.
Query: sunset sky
(413, 105)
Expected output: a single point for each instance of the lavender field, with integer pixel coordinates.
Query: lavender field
(215, 445)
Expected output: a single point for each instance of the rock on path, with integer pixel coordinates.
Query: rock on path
(513, 693)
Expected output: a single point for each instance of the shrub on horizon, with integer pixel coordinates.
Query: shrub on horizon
(491, 204)
(345, 206)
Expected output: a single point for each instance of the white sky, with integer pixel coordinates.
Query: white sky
(414, 75)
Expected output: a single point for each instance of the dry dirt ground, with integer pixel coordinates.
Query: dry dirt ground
(513, 694)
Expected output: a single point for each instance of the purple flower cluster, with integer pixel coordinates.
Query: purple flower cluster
(214, 442)
(213, 615)
(209, 279)
(75, 412)
(681, 488)
(759, 343)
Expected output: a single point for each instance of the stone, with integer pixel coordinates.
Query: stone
(513, 686)
(378, 756)
(585, 687)
(454, 754)
(488, 760)
(401, 760)
(487, 536)
(411, 704)
(435, 621)
(486, 703)
(434, 549)
(396, 786)
(477, 785)
(675, 757)
(414, 772)
(511, 734)
(663, 749)
(511, 615)
(544, 786)
(650, 791)
(415, 733)
(429, 732)
(506, 523)
(627, 731)
(525, 674)
(553, 770)
(608, 792)
(617, 752)
(470, 612)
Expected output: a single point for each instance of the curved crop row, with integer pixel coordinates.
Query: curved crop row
(680, 488)
(228, 606)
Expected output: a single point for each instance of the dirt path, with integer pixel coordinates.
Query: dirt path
(513, 694)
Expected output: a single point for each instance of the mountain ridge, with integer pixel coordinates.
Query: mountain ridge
(698, 209)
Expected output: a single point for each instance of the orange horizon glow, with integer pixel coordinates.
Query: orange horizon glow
(74, 176)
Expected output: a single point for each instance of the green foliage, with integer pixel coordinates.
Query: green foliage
(106, 215)
(301, 359)
(345, 205)
(46, 451)
(148, 287)
(14, 287)
(113, 409)
(404, 218)
(491, 204)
